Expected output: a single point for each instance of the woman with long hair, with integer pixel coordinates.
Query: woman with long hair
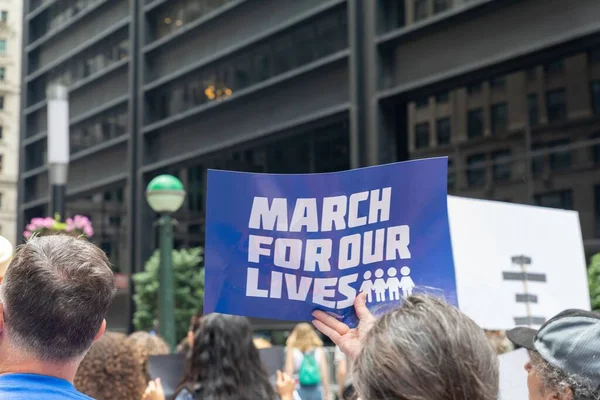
(224, 364)
(306, 359)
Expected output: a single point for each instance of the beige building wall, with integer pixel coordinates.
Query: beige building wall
(581, 126)
(10, 63)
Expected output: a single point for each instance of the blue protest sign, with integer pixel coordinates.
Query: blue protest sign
(281, 246)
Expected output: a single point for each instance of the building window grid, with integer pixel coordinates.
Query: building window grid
(475, 123)
(220, 80)
(422, 135)
(476, 169)
(533, 112)
(595, 89)
(175, 15)
(420, 10)
(562, 199)
(499, 118)
(108, 125)
(501, 165)
(443, 131)
(556, 104)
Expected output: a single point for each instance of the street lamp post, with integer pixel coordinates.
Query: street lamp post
(58, 145)
(165, 195)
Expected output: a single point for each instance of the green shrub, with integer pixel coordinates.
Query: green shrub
(188, 278)
(594, 281)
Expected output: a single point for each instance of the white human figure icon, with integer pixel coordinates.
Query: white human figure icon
(367, 286)
(406, 283)
(393, 284)
(379, 286)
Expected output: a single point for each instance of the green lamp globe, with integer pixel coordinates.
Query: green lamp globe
(165, 193)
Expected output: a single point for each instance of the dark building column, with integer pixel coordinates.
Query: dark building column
(136, 12)
(365, 130)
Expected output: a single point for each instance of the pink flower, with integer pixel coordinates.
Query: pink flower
(27, 234)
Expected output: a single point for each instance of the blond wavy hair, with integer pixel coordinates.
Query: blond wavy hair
(304, 338)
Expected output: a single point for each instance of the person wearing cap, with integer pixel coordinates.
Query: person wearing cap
(564, 356)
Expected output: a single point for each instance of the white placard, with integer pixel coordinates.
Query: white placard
(513, 378)
(486, 235)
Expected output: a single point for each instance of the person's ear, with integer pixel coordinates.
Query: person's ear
(566, 394)
(101, 330)
(1, 320)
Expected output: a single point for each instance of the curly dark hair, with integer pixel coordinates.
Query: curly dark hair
(224, 364)
(114, 368)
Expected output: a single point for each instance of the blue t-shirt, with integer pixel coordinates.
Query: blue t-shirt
(37, 387)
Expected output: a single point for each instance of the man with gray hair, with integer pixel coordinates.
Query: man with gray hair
(564, 356)
(54, 298)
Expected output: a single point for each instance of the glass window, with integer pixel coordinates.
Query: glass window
(2, 73)
(1, 162)
(443, 131)
(475, 123)
(498, 82)
(596, 97)
(537, 161)
(98, 129)
(554, 67)
(531, 73)
(594, 56)
(501, 161)
(556, 103)
(559, 199)
(560, 159)
(255, 64)
(1, 102)
(475, 88)
(422, 135)
(3, 15)
(499, 113)
(533, 109)
(175, 14)
(443, 97)
(420, 9)
(596, 148)
(2, 46)
(422, 102)
(1, 195)
(441, 5)
(1, 132)
(476, 170)
(451, 174)
(332, 148)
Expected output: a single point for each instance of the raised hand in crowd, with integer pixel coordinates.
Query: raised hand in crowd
(348, 340)
(285, 386)
(154, 391)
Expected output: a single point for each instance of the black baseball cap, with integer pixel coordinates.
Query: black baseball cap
(570, 341)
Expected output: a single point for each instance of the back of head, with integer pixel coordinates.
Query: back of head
(426, 350)
(56, 292)
(153, 345)
(224, 363)
(114, 368)
(304, 338)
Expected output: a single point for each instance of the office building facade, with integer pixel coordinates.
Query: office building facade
(281, 86)
(10, 83)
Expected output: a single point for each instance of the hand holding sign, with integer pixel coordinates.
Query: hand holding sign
(348, 340)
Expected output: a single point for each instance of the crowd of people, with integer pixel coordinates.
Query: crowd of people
(53, 345)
